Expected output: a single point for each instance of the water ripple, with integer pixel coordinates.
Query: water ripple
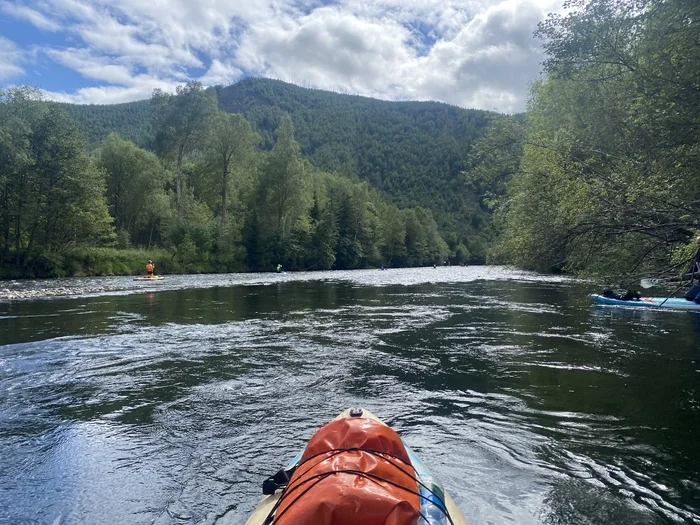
(172, 406)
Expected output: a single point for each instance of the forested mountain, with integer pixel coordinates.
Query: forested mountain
(413, 152)
(598, 177)
(209, 197)
(132, 120)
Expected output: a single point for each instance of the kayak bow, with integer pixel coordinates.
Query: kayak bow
(355, 469)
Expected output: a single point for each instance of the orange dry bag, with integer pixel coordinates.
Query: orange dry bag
(353, 471)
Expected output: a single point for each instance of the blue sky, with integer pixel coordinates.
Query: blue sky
(471, 53)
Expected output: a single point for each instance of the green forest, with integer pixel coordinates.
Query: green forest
(208, 198)
(599, 176)
(413, 153)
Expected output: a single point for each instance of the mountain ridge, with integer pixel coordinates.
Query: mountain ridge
(414, 152)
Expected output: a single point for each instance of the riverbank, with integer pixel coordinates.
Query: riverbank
(96, 262)
(7, 294)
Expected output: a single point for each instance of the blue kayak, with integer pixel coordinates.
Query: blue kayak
(674, 303)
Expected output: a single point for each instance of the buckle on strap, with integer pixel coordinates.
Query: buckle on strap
(278, 481)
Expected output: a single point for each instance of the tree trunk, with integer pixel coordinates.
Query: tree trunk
(180, 214)
(6, 225)
(223, 194)
(118, 207)
(17, 231)
(32, 235)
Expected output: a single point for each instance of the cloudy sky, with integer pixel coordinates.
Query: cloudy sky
(471, 53)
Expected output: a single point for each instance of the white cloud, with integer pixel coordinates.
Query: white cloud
(473, 53)
(330, 49)
(91, 66)
(107, 94)
(10, 57)
(124, 85)
(28, 14)
(488, 63)
(221, 74)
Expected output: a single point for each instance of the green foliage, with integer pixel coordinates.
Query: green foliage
(187, 250)
(610, 149)
(283, 198)
(111, 261)
(323, 232)
(180, 122)
(229, 205)
(232, 150)
(53, 195)
(134, 176)
(598, 177)
(131, 120)
(413, 152)
(86, 260)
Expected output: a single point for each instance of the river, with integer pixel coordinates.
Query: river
(170, 402)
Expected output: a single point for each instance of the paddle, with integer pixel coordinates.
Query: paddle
(648, 282)
(674, 293)
(691, 274)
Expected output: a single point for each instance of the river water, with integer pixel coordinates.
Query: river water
(170, 402)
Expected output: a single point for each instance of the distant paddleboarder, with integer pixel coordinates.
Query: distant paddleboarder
(279, 268)
(150, 268)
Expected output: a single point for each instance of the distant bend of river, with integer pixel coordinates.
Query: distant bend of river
(170, 402)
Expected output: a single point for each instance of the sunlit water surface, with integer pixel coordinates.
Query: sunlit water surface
(170, 402)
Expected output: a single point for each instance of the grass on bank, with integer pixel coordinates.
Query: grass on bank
(84, 261)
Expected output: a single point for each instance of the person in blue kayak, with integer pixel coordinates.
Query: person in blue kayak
(694, 292)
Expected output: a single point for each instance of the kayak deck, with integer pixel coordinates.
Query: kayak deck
(266, 504)
(673, 303)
